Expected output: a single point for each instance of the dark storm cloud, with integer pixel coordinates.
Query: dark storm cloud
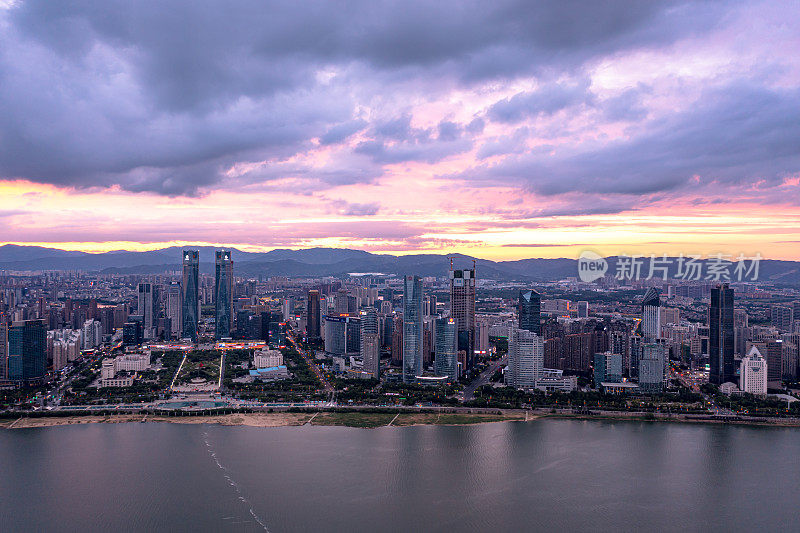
(164, 96)
(738, 134)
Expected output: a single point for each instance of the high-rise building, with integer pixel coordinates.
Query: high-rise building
(190, 294)
(774, 357)
(462, 308)
(720, 335)
(3, 347)
(27, 351)
(652, 363)
(397, 340)
(92, 333)
(583, 309)
(753, 372)
(341, 302)
(412, 328)
(342, 335)
(146, 307)
(446, 348)
(529, 311)
(482, 325)
(223, 295)
(607, 368)
(782, 317)
(312, 314)
(287, 308)
(525, 358)
(651, 315)
(370, 342)
(174, 308)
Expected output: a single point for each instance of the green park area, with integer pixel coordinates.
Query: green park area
(199, 366)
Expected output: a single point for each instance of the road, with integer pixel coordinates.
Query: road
(311, 364)
(483, 378)
(57, 393)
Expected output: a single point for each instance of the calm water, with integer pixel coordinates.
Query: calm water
(544, 475)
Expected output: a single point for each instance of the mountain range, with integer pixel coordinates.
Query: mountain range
(322, 262)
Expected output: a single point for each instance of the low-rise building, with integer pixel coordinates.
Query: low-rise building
(267, 358)
(272, 373)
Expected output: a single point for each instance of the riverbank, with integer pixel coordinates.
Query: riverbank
(278, 419)
(366, 419)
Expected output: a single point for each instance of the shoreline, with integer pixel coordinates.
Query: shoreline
(367, 420)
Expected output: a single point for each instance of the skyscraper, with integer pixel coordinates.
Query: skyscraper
(3, 347)
(651, 315)
(370, 342)
(446, 348)
(312, 314)
(27, 351)
(146, 307)
(462, 308)
(223, 295)
(720, 335)
(525, 358)
(174, 308)
(529, 311)
(190, 294)
(412, 328)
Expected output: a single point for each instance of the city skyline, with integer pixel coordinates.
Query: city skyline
(662, 128)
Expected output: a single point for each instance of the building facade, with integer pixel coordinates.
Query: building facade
(370, 342)
(525, 359)
(721, 335)
(446, 348)
(651, 315)
(529, 311)
(313, 314)
(27, 352)
(462, 308)
(190, 295)
(223, 295)
(753, 372)
(412, 328)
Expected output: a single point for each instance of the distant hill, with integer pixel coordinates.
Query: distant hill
(325, 262)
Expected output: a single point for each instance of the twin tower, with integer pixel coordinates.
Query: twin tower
(223, 295)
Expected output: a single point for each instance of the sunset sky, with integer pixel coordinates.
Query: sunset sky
(498, 129)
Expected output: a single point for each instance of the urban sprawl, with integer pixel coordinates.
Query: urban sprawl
(74, 341)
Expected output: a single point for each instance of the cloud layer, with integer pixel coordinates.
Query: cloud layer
(398, 109)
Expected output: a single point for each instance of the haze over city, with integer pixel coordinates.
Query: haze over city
(502, 130)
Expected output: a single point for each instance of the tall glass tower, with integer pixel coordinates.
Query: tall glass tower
(370, 342)
(190, 294)
(651, 315)
(462, 308)
(530, 311)
(27, 351)
(412, 328)
(720, 335)
(446, 348)
(313, 314)
(223, 295)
